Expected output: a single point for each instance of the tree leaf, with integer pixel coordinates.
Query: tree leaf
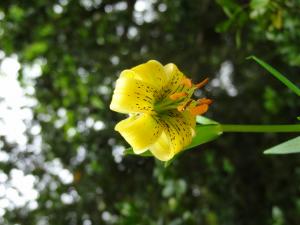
(288, 147)
(35, 49)
(258, 4)
(229, 6)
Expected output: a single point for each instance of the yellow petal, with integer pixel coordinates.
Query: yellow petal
(177, 134)
(162, 149)
(189, 118)
(175, 79)
(132, 95)
(151, 72)
(140, 131)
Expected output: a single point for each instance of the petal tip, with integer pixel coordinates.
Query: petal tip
(154, 61)
(163, 158)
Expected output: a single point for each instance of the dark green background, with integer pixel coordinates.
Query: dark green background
(228, 181)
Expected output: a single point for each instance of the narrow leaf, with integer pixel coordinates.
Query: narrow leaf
(205, 121)
(290, 146)
(204, 134)
(277, 75)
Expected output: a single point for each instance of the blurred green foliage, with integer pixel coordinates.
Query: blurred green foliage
(265, 21)
(82, 45)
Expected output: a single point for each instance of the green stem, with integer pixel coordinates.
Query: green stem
(260, 128)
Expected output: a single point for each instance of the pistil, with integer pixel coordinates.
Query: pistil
(182, 100)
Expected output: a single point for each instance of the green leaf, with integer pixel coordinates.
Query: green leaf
(97, 102)
(258, 4)
(277, 75)
(16, 13)
(290, 146)
(205, 121)
(35, 49)
(46, 30)
(229, 6)
(207, 131)
(258, 8)
(204, 134)
(224, 26)
(298, 118)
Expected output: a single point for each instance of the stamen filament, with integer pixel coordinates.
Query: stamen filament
(178, 95)
(182, 107)
(202, 83)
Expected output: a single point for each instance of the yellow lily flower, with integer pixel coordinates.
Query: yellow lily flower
(162, 114)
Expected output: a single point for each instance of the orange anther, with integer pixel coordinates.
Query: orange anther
(206, 101)
(178, 95)
(202, 83)
(187, 82)
(199, 110)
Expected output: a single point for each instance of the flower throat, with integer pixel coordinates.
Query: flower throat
(182, 100)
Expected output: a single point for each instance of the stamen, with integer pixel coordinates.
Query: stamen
(199, 110)
(178, 95)
(187, 82)
(182, 107)
(206, 101)
(202, 83)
